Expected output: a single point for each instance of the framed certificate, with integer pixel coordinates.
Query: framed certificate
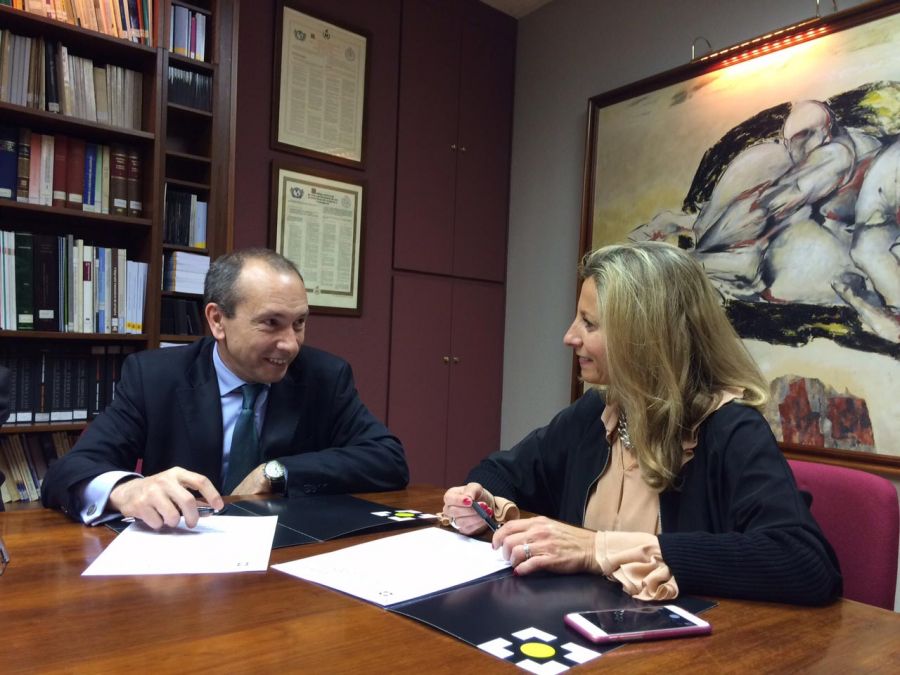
(320, 86)
(317, 223)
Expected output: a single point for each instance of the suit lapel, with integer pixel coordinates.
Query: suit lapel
(283, 411)
(201, 408)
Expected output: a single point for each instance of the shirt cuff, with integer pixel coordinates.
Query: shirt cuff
(634, 559)
(95, 495)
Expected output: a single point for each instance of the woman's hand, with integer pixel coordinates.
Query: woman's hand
(458, 507)
(541, 544)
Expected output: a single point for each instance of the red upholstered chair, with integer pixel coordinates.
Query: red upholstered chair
(860, 516)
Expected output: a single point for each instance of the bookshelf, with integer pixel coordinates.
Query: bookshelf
(179, 144)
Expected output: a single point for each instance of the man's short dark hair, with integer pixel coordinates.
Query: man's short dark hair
(220, 286)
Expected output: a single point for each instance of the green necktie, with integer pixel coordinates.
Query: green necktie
(244, 455)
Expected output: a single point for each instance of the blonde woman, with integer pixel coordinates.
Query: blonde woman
(669, 479)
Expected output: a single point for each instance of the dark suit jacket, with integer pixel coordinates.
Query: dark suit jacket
(167, 412)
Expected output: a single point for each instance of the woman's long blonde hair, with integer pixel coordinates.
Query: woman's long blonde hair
(669, 345)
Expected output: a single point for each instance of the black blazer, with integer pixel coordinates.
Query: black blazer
(167, 412)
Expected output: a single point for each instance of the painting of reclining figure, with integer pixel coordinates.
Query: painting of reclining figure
(782, 176)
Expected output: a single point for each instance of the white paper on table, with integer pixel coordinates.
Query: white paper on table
(218, 544)
(402, 567)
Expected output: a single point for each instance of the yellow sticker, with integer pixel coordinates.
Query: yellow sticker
(537, 650)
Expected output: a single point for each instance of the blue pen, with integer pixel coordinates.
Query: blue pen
(491, 523)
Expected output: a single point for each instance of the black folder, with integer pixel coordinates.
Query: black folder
(520, 619)
(311, 519)
(305, 520)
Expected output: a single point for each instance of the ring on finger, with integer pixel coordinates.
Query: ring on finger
(527, 549)
(453, 524)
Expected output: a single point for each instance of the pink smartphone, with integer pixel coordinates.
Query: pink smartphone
(638, 623)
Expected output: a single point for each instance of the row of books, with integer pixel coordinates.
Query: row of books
(57, 170)
(190, 88)
(187, 32)
(184, 272)
(180, 316)
(42, 74)
(24, 459)
(59, 283)
(185, 223)
(130, 20)
(65, 386)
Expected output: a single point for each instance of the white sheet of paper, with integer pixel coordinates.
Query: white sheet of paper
(218, 544)
(402, 567)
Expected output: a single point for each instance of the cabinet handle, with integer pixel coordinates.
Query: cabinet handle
(462, 148)
(455, 359)
(453, 146)
(445, 359)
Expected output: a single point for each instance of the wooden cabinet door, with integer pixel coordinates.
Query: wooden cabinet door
(476, 374)
(485, 134)
(417, 396)
(426, 142)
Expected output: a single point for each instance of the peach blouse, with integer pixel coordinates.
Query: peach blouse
(625, 512)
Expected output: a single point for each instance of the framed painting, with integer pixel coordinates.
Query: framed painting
(317, 222)
(781, 174)
(319, 87)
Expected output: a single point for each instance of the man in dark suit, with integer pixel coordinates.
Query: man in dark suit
(178, 410)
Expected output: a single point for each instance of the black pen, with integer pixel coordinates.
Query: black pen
(202, 510)
(491, 523)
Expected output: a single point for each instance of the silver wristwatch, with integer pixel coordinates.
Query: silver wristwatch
(276, 474)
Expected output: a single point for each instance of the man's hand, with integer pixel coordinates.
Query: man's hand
(254, 484)
(162, 499)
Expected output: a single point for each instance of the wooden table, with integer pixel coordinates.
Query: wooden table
(54, 620)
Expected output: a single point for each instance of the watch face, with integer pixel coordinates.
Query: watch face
(274, 470)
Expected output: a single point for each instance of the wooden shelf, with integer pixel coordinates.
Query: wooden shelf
(42, 428)
(188, 156)
(64, 215)
(177, 294)
(187, 339)
(187, 184)
(196, 65)
(18, 115)
(186, 249)
(72, 337)
(190, 110)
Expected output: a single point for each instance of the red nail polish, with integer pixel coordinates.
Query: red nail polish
(489, 510)
(467, 501)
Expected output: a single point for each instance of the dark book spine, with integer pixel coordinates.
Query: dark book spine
(24, 281)
(55, 387)
(23, 165)
(51, 81)
(41, 388)
(60, 169)
(46, 281)
(81, 394)
(75, 174)
(90, 175)
(9, 160)
(97, 379)
(118, 181)
(133, 183)
(25, 386)
(11, 364)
